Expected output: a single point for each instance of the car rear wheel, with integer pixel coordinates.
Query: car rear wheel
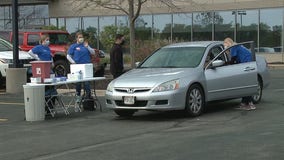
(125, 112)
(195, 101)
(61, 68)
(257, 98)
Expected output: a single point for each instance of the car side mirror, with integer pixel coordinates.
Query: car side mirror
(137, 64)
(217, 63)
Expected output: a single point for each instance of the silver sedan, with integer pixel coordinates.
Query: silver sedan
(185, 76)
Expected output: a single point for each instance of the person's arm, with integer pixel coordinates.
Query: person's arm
(34, 55)
(70, 53)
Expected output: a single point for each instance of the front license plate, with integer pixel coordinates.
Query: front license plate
(129, 100)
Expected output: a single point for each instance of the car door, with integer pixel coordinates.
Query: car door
(231, 81)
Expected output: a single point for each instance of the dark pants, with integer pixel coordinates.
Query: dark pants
(87, 88)
(247, 100)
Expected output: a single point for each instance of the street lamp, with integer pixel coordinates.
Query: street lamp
(241, 13)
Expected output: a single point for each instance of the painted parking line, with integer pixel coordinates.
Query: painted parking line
(3, 119)
(8, 103)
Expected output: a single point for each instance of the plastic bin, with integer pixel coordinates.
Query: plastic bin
(41, 69)
(34, 102)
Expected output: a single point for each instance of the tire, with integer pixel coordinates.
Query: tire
(195, 101)
(61, 68)
(125, 112)
(257, 98)
(2, 81)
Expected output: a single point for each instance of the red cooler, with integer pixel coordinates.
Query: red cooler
(41, 69)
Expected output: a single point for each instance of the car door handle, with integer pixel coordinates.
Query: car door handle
(249, 69)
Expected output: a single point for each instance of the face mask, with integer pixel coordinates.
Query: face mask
(46, 43)
(81, 40)
(226, 47)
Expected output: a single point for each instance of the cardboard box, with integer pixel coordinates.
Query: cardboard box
(86, 69)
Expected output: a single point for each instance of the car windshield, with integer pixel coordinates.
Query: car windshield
(59, 38)
(5, 46)
(176, 57)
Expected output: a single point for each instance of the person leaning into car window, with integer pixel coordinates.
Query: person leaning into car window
(80, 53)
(42, 51)
(240, 54)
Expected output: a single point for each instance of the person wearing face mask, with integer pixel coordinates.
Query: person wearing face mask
(240, 54)
(116, 56)
(42, 51)
(80, 53)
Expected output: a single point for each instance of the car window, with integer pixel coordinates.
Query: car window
(4, 47)
(59, 38)
(33, 39)
(177, 57)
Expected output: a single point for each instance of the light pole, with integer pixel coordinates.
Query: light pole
(241, 13)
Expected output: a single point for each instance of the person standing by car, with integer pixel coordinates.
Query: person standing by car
(240, 54)
(80, 53)
(116, 56)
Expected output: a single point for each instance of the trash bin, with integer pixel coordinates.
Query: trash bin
(34, 102)
(41, 69)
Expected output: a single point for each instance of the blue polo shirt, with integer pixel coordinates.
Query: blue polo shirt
(241, 53)
(79, 53)
(43, 52)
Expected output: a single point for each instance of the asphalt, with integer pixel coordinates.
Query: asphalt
(16, 113)
(12, 121)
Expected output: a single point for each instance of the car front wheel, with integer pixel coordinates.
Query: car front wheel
(195, 101)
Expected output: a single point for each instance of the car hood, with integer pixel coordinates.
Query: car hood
(9, 55)
(150, 77)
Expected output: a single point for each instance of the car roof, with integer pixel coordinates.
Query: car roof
(193, 44)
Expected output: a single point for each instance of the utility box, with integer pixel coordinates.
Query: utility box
(86, 69)
(41, 69)
(34, 102)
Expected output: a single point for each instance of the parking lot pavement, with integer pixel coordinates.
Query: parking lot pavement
(220, 133)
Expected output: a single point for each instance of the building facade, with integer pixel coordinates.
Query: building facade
(184, 20)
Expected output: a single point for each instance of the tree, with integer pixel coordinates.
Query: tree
(131, 8)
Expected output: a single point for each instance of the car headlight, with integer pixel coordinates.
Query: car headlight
(110, 87)
(167, 86)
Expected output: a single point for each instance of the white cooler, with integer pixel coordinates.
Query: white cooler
(86, 69)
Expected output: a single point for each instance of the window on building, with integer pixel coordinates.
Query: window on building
(247, 25)
(271, 29)
(73, 24)
(202, 26)
(143, 27)
(224, 25)
(182, 25)
(162, 26)
(90, 25)
(122, 21)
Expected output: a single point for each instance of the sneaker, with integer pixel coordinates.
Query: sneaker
(78, 99)
(242, 106)
(252, 106)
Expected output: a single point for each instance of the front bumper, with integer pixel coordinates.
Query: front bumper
(168, 100)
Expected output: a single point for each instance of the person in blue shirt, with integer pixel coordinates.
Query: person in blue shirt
(80, 53)
(42, 51)
(240, 54)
